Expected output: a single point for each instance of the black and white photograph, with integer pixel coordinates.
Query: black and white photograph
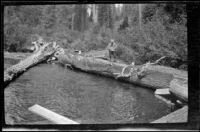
(74, 64)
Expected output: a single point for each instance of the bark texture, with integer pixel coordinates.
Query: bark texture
(44, 52)
(149, 76)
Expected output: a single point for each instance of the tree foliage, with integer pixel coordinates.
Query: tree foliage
(80, 17)
(105, 15)
(164, 29)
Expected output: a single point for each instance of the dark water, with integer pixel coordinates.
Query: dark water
(79, 96)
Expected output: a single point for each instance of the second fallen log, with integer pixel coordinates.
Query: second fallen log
(43, 53)
(150, 77)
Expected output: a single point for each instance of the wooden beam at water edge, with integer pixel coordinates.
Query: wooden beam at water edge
(50, 115)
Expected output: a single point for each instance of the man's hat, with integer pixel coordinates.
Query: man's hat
(40, 40)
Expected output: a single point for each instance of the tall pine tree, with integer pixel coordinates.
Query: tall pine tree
(49, 19)
(80, 18)
(105, 17)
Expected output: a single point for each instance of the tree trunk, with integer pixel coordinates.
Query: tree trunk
(140, 15)
(72, 22)
(95, 13)
(41, 55)
(153, 77)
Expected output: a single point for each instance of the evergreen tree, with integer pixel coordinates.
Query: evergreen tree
(49, 17)
(64, 15)
(105, 17)
(80, 19)
(95, 13)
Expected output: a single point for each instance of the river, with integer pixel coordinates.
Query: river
(83, 97)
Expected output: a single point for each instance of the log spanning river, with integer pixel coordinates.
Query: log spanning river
(82, 97)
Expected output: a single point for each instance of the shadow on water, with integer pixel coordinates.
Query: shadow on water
(79, 96)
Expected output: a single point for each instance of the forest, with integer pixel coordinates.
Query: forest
(144, 32)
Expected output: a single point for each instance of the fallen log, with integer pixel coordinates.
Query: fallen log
(43, 53)
(149, 77)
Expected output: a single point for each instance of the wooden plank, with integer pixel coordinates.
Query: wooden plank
(174, 117)
(50, 115)
(164, 91)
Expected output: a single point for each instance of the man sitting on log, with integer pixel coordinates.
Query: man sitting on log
(37, 44)
(112, 46)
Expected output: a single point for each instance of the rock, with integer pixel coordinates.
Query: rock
(179, 88)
